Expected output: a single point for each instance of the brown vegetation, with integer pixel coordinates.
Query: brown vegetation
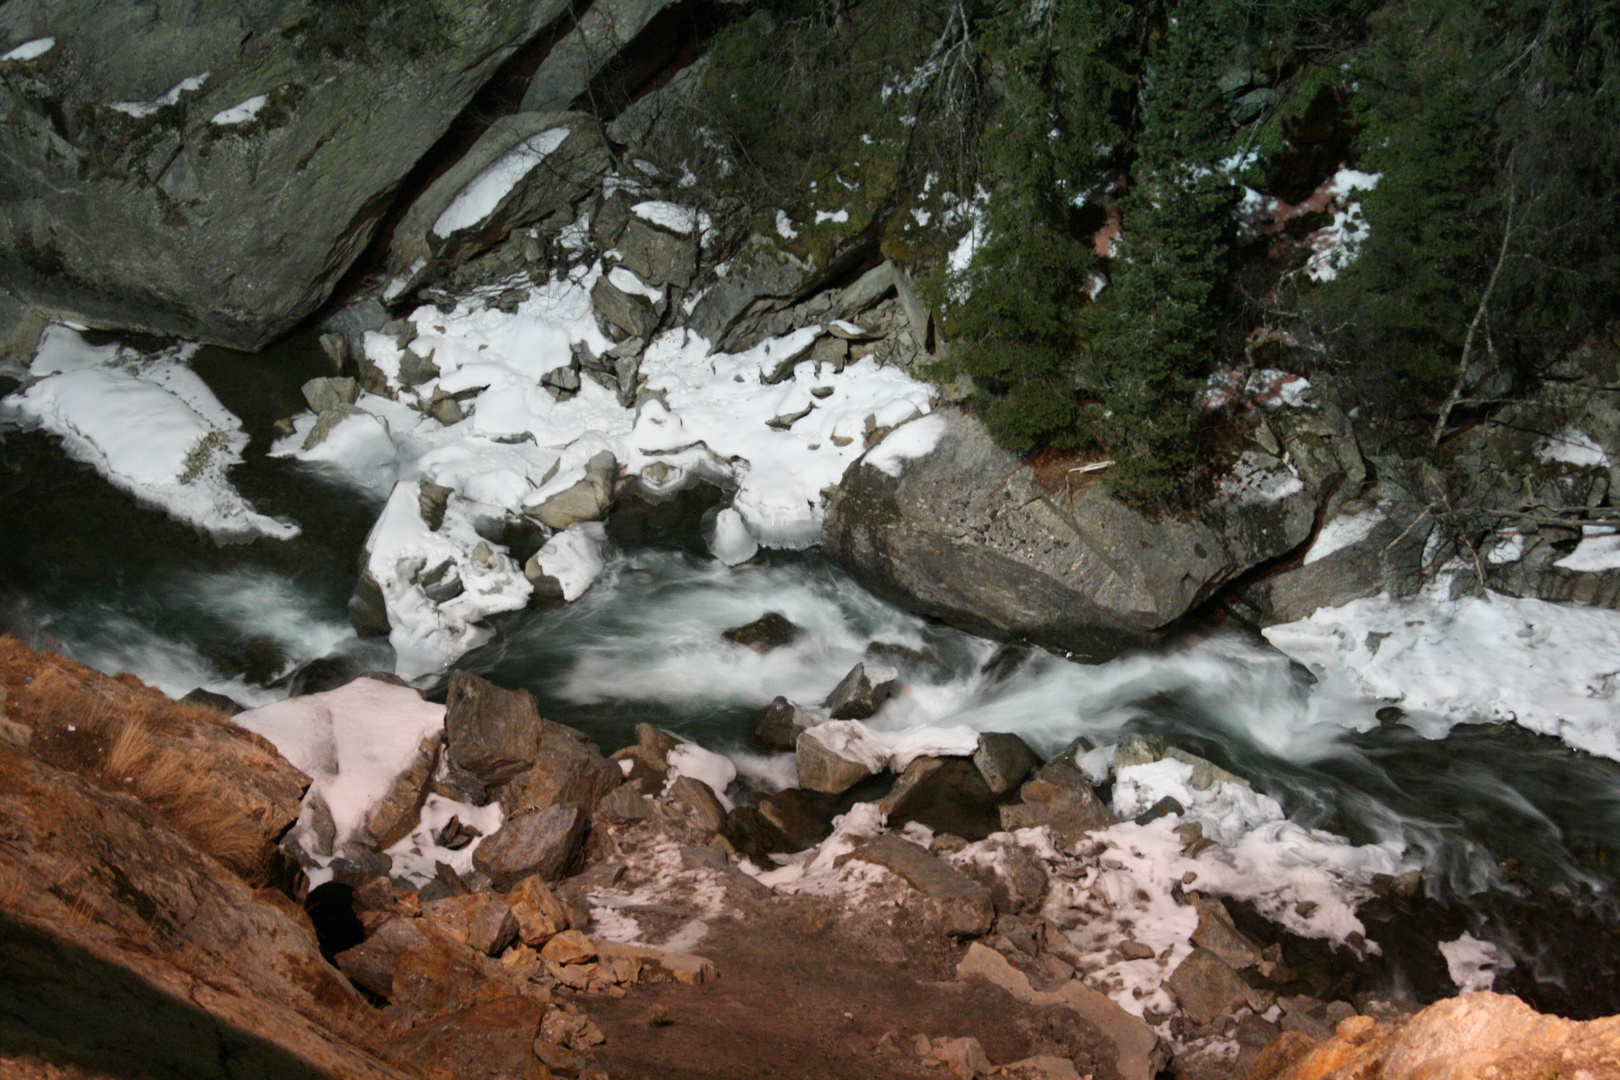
(122, 735)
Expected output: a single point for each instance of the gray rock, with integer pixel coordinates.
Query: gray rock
(1060, 798)
(910, 789)
(567, 769)
(1219, 935)
(861, 693)
(751, 276)
(587, 500)
(1003, 760)
(330, 393)
(823, 769)
(656, 255)
(353, 321)
(536, 842)
(326, 421)
(966, 536)
(225, 232)
(778, 727)
(771, 630)
(426, 242)
(20, 330)
(601, 34)
(368, 610)
(630, 314)
(960, 904)
(624, 804)
(491, 732)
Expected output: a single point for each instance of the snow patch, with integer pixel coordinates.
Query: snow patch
(1572, 446)
(914, 440)
(484, 192)
(30, 50)
(240, 113)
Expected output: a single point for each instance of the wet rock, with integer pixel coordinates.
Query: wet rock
(1134, 749)
(770, 631)
(1217, 934)
(491, 732)
(587, 500)
(803, 818)
(961, 905)
(368, 611)
(1060, 798)
(1004, 760)
(477, 920)
(778, 727)
(861, 693)
(542, 842)
(909, 789)
(330, 393)
(822, 767)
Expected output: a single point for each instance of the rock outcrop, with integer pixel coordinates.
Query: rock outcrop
(965, 534)
(211, 170)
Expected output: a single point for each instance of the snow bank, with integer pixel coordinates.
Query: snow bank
(1342, 531)
(240, 113)
(353, 742)
(1338, 244)
(1598, 550)
(1547, 667)
(142, 109)
(1571, 446)
(150, 426)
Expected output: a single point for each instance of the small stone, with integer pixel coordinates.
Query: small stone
(770, 631)
(861, 693)
(569, 947)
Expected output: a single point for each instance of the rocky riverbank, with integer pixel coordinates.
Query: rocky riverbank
(624, 917)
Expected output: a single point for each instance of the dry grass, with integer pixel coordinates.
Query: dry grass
(169, 782)
(112, 732)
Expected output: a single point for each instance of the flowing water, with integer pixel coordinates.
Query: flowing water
(124, 588)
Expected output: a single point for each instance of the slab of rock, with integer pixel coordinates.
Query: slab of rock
(415, 963)
(631, 314)
(1060, 798)
(1089, 576)
(398, 812)
(490, 732)
(567, 769)
(540, 915)
(752, 276)
(491, 1038)
(1138, 1053)
(657, 255)
(525, 168)
(1134, 749)
(1003, 759)
(478, 920)
(1217, 934)
(1206, 988)
(860, 693)
(599, 36)
(230, 214)
(779, 725)
(542, 842)
(657, 965)
(960, 904)
(701, 803)
(771, 630)
(824, 765)
(588, 500)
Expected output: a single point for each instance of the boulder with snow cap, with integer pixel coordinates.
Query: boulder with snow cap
(623, 313)
(525, 168)
(659, 256)
(832, 758)
(969, 534)
(587, 500)
(860, 693)
(540, 842)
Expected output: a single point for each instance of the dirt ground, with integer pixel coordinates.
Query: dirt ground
(807, 988)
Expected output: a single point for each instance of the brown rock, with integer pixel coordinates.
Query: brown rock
(1003, 760)
(861, 693)
(540, 842)
(824, 769)
(701, 803)
(567, 769)
(539, 913)
(495, 1038)
(1060, 798)
(1461, 1038)
(961, 905)
(477, 920)
(778, 727)
(397, 814)
(1207, 988)
(491, 732)
(771, 630)
(569, 947)
(657, 965)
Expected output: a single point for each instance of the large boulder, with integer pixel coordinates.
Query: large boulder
(965, 534)
(212, 169)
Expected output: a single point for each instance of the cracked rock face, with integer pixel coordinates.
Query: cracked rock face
(212, 169)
